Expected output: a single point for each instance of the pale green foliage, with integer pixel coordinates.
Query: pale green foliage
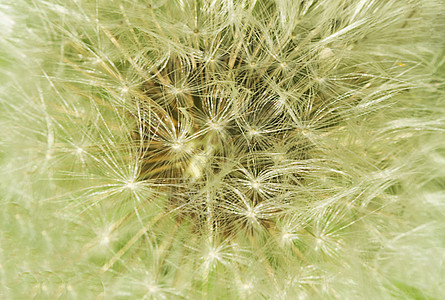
(250, 149)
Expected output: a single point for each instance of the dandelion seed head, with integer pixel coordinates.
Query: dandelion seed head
(255, 184)
(253, 132)
(130, 184)
(213, 255)
(216, 126)
(286, 237)
(177, 145)
(79, 151)
(282, 100)
(247, 286)
(104, 236)
(176, 91)
(260, 148)
(124, 90)
(152, 288)
(97, 61)
(104, 240)
(326, 53)
(250, 214)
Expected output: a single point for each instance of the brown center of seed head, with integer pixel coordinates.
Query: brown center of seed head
(215, 137)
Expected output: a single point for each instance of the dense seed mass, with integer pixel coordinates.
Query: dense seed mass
(198, 121)
(236, 149)
(226, 127)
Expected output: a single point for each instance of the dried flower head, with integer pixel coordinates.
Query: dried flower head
(251, 149)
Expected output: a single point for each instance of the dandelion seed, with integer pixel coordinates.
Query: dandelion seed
(253, 132)
(97, 61)
(177, 145)
(247, 286)
(124, 90)
(79, 151)
(255, 184)
(216, 126)
(326, 53)
(105, 240)
(176, 91)
(251, 214)
(131, 185)
(152, 289)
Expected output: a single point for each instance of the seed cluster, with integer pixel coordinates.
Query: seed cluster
(223, 132)
(236, 149)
